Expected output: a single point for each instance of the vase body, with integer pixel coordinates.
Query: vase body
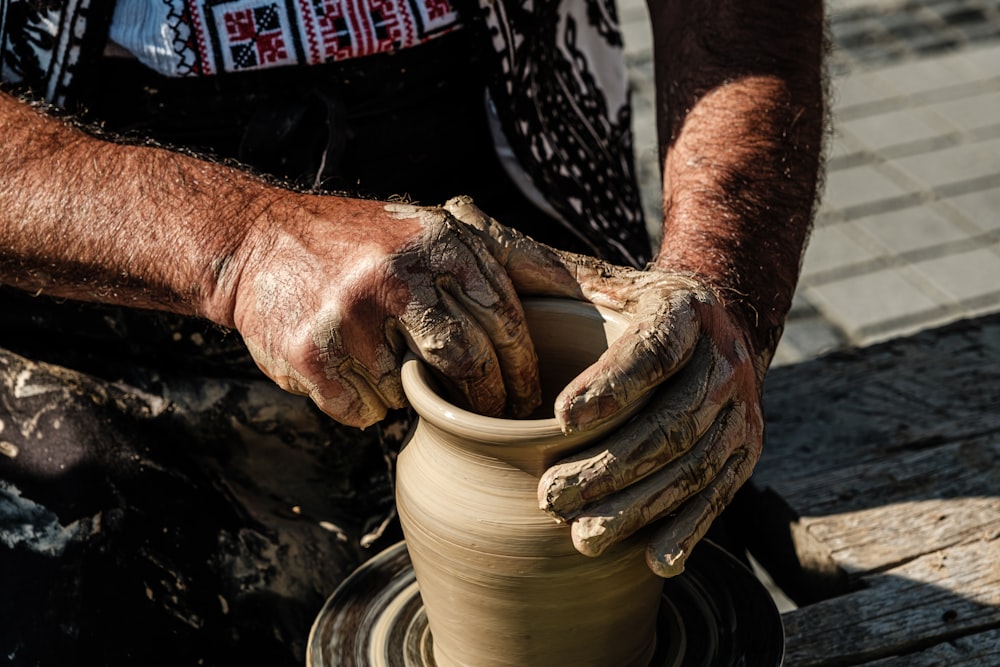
(500, 580)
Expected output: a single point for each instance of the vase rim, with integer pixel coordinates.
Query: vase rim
(445, 414)
(430, 405)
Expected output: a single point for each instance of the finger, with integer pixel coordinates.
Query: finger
(679, 414)
(540, 270)
(453, 344)
(671, 545)
(344, 394)
(515, 353)
(485, 292)
(533, 267)
(648, 352)
(609, 521)
(355, 374)
(351, 396)
(503, 322)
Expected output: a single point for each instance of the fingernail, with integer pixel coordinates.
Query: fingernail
(561, 500)
(666, 564)
(592, 536)
(578, 413)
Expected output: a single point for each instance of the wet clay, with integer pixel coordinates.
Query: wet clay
(500, 579)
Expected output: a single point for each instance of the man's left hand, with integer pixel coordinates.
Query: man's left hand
(677, 464)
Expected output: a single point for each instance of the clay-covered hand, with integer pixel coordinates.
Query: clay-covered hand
(680, 461)
(332, 292)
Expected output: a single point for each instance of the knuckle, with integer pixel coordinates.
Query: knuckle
(678, 431)
(343, 400)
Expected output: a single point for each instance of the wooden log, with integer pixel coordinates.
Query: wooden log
(950, 593)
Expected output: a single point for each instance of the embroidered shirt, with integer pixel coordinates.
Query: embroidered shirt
(203, 37)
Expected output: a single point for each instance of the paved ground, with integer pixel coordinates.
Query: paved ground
(908, 235)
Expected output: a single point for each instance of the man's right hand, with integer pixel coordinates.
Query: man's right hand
(329, 294)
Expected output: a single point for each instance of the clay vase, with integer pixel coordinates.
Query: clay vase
(500, 580)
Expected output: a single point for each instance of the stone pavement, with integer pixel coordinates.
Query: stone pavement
(908, 233)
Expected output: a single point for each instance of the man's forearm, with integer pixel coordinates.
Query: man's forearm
(741, 116)
(88, 219)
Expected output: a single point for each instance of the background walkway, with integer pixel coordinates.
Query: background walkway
(908, 235)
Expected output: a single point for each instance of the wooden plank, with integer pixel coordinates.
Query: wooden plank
(935, 387)
(978, 650)
(875, 515)
(951, 593)
(881, 537)
(968, 467)
(877, 456)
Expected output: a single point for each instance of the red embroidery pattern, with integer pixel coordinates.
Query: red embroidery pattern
(253, 34)
(255, 37)
(437, 9)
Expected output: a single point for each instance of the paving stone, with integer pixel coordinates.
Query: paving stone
(843, 6)
(863, 305)
(644, 138)
(984, 60)
(970, 113)
(965, 276)
(831, 250)
(801, 308)
(632, 10)
(975, 32)
(885, 31)
(861, 88)
(806, 338)
(638, 37)
(910, 229)
(865, 184)
(981, 208)
(907, 28)
(930, 73)
(951, 165)
(902, 126)
(964, 15)
(843, 148)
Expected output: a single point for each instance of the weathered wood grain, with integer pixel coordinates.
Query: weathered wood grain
(964, 468)
(935, 387)
(978, 650)
(938, 597)
(874, 515)
(876, 538)
(880, 486)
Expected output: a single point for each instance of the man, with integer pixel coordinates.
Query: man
(328, 292)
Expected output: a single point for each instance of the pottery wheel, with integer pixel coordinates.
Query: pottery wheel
(716, 613)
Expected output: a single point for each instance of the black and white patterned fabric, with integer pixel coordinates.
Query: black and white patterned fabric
(561, 92)
(43, 43)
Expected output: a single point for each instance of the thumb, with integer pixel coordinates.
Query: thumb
(534, 268)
